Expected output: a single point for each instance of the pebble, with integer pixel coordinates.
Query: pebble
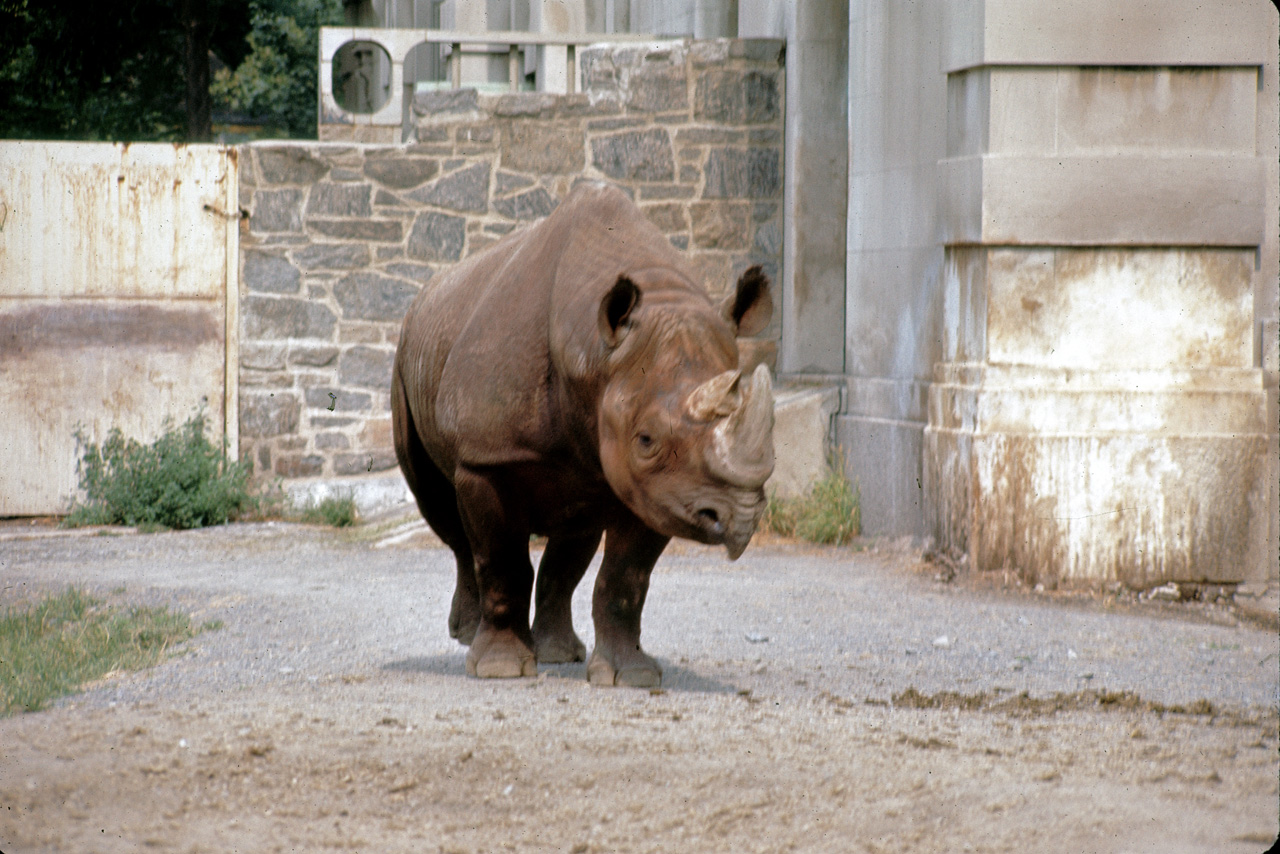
(942, 642)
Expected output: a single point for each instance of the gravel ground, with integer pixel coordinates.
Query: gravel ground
(813, 700)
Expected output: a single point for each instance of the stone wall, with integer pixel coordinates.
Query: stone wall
(340, 235)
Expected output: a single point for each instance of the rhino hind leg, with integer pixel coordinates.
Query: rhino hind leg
(438, 503)
(563, 564)
(617, 602)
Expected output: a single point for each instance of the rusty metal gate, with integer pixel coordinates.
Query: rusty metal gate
(118, 301)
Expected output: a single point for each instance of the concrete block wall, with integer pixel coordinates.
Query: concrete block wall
(341, 235)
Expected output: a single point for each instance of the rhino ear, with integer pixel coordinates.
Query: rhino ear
(616, 308)
(750, 307)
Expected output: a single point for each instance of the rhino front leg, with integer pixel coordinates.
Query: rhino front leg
(563, 564)
(503, 645)
(630, 551)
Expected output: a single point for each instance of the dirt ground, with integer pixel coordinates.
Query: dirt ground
(331, 712)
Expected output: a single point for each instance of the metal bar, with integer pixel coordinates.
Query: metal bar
(455, 66)
(513, 67)
(380, 35)
(571, 72)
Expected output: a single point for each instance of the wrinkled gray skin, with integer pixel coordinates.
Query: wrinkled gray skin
(573, 380)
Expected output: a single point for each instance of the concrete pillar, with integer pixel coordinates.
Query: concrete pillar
(1103, 409)
(897, 133)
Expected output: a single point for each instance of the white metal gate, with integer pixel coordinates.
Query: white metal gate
(118, 299)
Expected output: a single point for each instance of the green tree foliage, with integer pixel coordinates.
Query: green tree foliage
(277, 81)
(116, 70)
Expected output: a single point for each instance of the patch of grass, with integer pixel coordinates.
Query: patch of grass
(337, 512)
(58, 644)
(828, 514)
(182, 480)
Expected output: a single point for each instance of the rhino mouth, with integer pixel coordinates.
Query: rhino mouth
(731, 527)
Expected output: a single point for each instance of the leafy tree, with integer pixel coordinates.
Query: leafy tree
(277, 81)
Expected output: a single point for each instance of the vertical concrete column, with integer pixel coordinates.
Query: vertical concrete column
(556, 16)
(897, 133)
(1100, 411)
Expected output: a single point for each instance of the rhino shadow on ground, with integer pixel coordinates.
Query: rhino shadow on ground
(674, 677)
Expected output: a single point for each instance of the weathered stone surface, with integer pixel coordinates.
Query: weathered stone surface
(437, 237)
(343, 401)
(315, 357)
(507, 182)
(262, 357)
(708, 136)
(375, 230)
(345, 464)
(292, 465)
(290, 165)
(543, 148)
(382, 197)
(323, 256)
(658, 90)
(523, 104)
(465, 190)
(276, 210)
(420, 273)
(329, 199)
(531, 205)
(269, 273)
(286, 317)
(474, 134)
(445, 101)
(743, 173)
(401, 173)
(366, 367)
(719, 225)
(371, 296)
(667, 217)
(768, 240)
(636, 155)
(264, 414)
(735, 97)
(324, 422)
(332, 442)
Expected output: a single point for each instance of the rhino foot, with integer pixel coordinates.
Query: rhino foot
(558, 648)
(639, 671)
(500, 655)
(464, 619)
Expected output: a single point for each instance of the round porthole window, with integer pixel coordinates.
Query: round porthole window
(361, 77)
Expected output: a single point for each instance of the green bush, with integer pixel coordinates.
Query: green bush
(339, 512)
(828, 514)
(182, 480)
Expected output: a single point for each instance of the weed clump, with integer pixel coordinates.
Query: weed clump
(336, 512)
(828, 514)
(182, 480)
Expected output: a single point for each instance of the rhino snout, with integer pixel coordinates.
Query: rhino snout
(709, 519)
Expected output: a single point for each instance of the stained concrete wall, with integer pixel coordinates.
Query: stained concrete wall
(1104, 406)
(341, 236)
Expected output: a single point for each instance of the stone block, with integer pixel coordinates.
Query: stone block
(464, 190)
(367, 295)
(445, 101)
(720, 225)
(328, 199)
(658, 89)
(342, 400)
(256, 356)
(668, 217)
(370, 230)
(332, 442)
(635, 155)
(401, 173)
(312, 356)
(264, 414)
(542, 148)
(419, 273)
(533, 204)
(299, 465)
(743, 173)
(289, 165)
(368, 461)
(738, 98)
(366, 367)
(267, 272)
(324, 256)
(437, 237)
(286, 317)
(276, 210)
(508, 182)
(801, 438)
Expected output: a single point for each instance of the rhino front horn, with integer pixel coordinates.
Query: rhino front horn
(741, 452)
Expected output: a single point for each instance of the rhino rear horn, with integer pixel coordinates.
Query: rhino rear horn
(741, 452)
(715, 398)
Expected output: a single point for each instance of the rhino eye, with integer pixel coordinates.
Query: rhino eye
(645, 444)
